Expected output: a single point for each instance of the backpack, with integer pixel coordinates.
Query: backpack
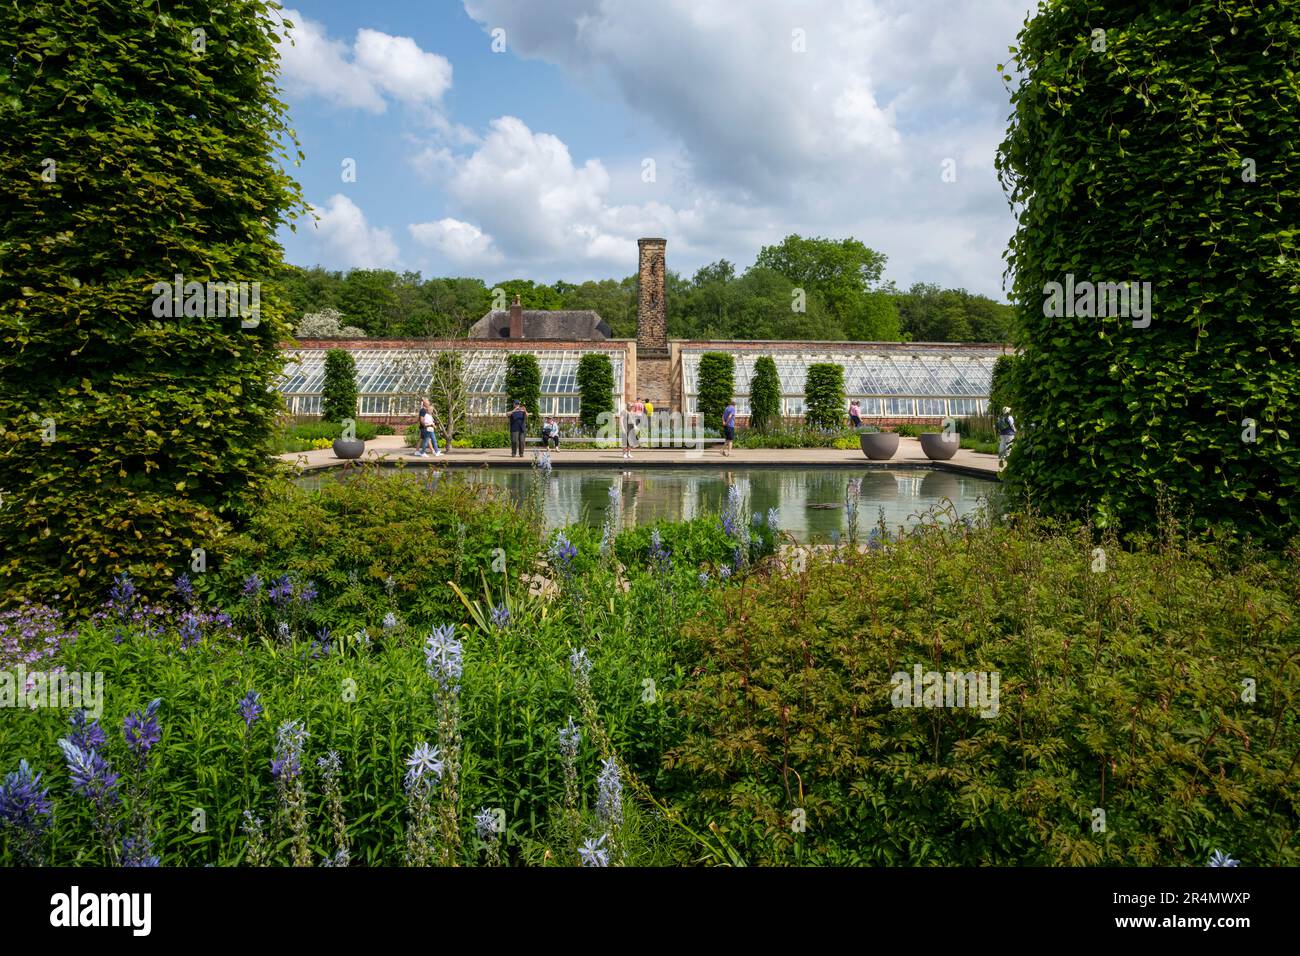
(1004, 424)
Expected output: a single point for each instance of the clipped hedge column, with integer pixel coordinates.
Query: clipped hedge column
(524, 384)
(595, 388)
(764, 395)
(338, 397)
(142, 182)
(1154, 150)
(717, 386)
(824, 396)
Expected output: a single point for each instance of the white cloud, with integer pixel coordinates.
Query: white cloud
(846, 138)
(376, 67)
(460, 243)
(344, 239)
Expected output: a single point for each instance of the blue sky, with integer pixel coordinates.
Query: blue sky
(719, 126)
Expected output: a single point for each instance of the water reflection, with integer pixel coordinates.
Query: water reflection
(810, 501)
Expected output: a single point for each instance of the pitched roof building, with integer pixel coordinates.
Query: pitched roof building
(570, 325)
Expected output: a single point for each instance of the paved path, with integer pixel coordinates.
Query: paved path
(392, 449)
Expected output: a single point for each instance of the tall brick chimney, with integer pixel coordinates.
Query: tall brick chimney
(516, 319)
(651, 312)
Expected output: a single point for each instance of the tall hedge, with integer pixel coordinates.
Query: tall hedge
(338, 397)
(1002, 388)
(717, 373)
(134, 149)
(524, 383)
(764, 395)
(595, 388)
(1159, 141)
(824, 396)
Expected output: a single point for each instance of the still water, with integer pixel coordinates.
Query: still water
(809, 501)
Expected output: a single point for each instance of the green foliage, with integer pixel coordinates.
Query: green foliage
(1120, 690)
(595, 388)
(1002, 389)
(1178, 134)
(301, 437)
(927, 313)
(524, 383)
(824, 396)
(716, 383)
(362, 528)
(764, 395)
(840, 272)
(338, 396)
(166, 162)
(798, 436)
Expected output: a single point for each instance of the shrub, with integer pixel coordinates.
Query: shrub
(132, 431)
(1002, 388)
(1125, 696)
(824, 396)
(1119, 414)
(326, 324)
(524, 384)
(716, 386)
(595, 388)
(338, 398)
(764, 395)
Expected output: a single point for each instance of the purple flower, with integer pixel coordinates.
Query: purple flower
(190, 630)
(289, 740)
(570, 738)
(593, 852)
(138, 852)
(500, 617)
(580, 664)
(281, 591)
(609, 793)
(250, 708)
(22, 801)
(444, 657)
(424, 767)
(773, 518)
(563, 551)
(122, 593)
(92, 777)
(141, 730)
(85, 736)
(252, 586)
(307, 593)
(184, 589)
(724, 572)
(1222, 859)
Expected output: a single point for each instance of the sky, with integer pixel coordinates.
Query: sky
(540, 139)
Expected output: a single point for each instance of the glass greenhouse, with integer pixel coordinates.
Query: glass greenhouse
(391, 381)
(899, 383)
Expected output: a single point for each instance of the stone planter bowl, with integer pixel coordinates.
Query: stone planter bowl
(936, 448)
(349, 447)
(878, 446)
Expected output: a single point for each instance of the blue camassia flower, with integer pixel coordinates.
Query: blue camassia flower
(1219, 858)
(23, 803)
(593, 852)
(250, 708)
(141, 729)
(444, 656)
(424, 766)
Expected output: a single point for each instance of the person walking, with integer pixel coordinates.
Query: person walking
(728, 426)
(428, 437)
(518, 429)
(629, 429)
(855, 414)
(1006, 426)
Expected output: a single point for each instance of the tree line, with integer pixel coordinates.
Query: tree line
(800, 289)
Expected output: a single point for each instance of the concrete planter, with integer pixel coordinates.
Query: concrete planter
(349, 448)
(938, 446)
(878, 446)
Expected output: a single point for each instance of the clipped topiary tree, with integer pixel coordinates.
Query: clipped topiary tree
(1154, 157)
(764, 395)
(524, 383)
(338, 394)
(142, 158)
(824, 396)
(595, 388)
(716, 386)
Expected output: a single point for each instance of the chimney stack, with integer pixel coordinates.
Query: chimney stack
(516, 319)
(651, 311)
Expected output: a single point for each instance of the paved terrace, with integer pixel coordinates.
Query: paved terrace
(393, 450)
